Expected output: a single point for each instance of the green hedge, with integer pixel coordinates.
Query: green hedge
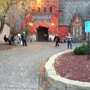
(81, 50)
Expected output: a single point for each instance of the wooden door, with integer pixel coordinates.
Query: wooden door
(42, 34)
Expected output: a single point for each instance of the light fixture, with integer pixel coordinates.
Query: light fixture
(39, 1)
(31, 24)
(52, 24)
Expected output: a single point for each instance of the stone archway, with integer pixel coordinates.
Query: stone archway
(42, 33)
(42, 30)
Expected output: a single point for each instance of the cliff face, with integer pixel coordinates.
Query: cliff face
(70, 8)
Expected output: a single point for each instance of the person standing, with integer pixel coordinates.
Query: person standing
(57, 40)
(19, 35)
(69, 41)
(24, 37)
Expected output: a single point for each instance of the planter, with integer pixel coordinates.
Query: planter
(61, 83)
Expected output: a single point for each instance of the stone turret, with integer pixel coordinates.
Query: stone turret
(76, 27)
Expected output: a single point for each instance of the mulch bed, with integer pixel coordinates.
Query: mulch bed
(74, 67)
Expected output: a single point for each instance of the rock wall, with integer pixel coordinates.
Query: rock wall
(6, 31)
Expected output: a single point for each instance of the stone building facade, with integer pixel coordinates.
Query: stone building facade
(69, 8)
(76, 28)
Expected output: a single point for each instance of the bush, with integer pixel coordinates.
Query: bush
(81, 50)
(26, 31)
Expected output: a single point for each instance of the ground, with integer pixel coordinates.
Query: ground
(5, 46)
(75, 67)
(23, 69)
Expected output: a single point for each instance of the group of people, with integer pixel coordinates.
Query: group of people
(68, 40)
(18, 38)
(15, 39)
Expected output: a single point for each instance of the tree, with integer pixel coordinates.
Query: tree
(11, 10)
(4, 7)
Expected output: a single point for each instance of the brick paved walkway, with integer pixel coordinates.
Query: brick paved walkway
(19, 66)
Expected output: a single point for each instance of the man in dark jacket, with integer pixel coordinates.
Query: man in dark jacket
(24, 37)
(57, 40)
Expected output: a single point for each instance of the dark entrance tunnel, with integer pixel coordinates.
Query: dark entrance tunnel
(42, 33)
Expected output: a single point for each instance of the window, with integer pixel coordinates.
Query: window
(50, 9)
(32, 10)
(38, 9)
(44, 9)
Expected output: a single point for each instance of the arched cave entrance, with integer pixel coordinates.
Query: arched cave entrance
(42, 33)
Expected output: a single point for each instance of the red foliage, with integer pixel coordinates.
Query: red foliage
(52, 29)
(32, 29)
(63, 31)
(56, 13)
(52, 5)
(29, 18)
(54, 19)
(42, 23)
(23, 26)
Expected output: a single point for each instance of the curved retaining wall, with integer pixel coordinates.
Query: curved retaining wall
(60, 83)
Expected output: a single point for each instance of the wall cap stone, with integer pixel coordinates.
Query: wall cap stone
(61, 82)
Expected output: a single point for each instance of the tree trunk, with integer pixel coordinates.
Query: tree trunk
(2, 24)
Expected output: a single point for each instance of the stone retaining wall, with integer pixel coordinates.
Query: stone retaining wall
(5, 31)
(60, 83)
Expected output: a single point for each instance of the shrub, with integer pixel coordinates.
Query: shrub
(81, 50)
(27, 31)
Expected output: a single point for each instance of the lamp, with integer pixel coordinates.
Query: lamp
(52, 24)
(38, 1)
(31, 24)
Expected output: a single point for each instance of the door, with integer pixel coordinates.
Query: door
(42, 33)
